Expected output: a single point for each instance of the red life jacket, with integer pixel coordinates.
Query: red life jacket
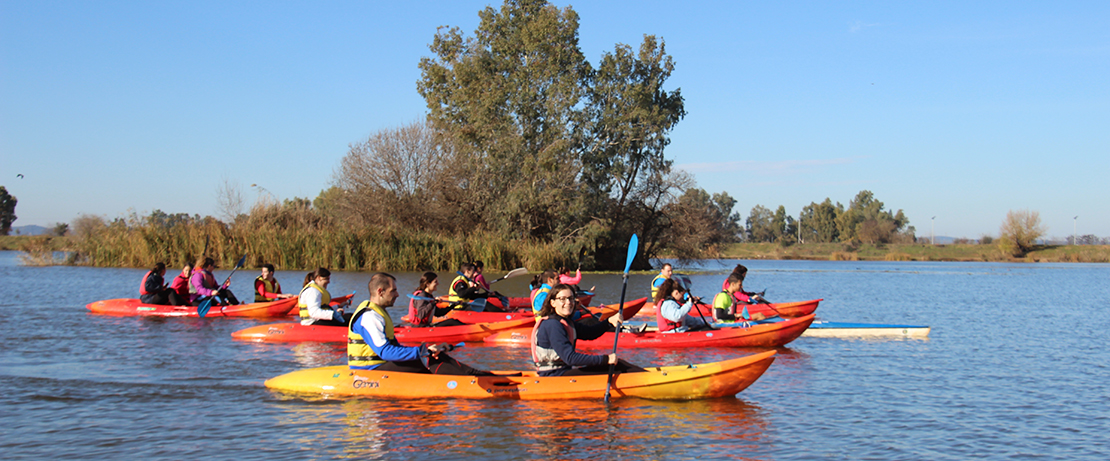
(142, 285)
(662, 322)
(413, 319)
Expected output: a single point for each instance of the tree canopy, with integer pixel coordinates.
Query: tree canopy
(7, 211)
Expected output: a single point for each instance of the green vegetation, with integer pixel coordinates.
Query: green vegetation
(7, 211)
(864, 221)
(1019, 232)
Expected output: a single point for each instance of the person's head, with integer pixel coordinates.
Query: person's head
(560, 300)
(479, 266)
(383, 289)
(735, 282)
(467, 269)
(187, 270)
(159, 268)
(669, 289)
(549, 277)
(740, 271)
(208, 264)
(667, 270)
(428, 282)
(268, 271)
(564, 271)
(308, 278)
(322, 277)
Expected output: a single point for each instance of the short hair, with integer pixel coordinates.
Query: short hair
(666, 265)
(666, 288)
(479, 265)
(158, 267)
(268, 266)
(379, 280)
(548, 309)
(734, 277)
(426, 279)
(466, 267)
(322, 272)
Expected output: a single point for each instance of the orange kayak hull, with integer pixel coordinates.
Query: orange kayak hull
(131, 306)
(685, 382)
(606, 311)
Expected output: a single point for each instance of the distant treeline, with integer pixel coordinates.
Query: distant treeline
(864, 221)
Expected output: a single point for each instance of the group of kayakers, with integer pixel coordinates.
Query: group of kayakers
(193, 286)
(674, 302)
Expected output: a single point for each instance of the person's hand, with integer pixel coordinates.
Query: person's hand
(435, 349)
(616, 321)
(612, 359)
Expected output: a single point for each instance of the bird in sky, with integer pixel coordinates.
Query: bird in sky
(20, 176)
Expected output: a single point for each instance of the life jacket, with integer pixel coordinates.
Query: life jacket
(360, 354)
(662, 322)
(547, 359)
(324, 300)
(413, 319)
(728, 305)
(655, 288)
(142, 285)
(453, 296)
(270, 287)
(545, 288)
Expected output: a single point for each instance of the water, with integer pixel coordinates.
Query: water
(1015, 368)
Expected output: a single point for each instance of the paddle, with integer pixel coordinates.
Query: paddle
(202, 309)
(513, 273)
(687, 285)
(633, 245)
(447, 348)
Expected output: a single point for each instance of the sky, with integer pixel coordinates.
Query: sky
(954, 112)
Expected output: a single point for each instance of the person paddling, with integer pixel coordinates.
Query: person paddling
(372, 345)
(555, 336)
(204, 285)
(266, 287)
(724, 305)
(422, 304)
(153, 289)
(672, 317)
(740, 295)
(463, 290)
(313, 304)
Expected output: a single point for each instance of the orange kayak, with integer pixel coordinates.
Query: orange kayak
(785, 310)
(685, 382)
(131, 306)
(606, 311)
(295, 332)
(756, 335)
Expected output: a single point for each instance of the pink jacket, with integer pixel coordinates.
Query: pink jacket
(571, 280)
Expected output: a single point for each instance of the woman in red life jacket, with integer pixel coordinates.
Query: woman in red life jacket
(555, 336)
(672, 317)
(153, 289)
(422, 304)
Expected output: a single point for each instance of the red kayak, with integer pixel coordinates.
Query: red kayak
(756, 335)
(785, 310)
(295, 332)
(131, 306)
(606, 311)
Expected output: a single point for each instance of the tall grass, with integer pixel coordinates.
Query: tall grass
(299, 239)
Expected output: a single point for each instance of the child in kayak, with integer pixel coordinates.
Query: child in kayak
(204, 285)
(672, 317)
(740, 295)
(371, 344)
(555, 336)
(153, 289)
(314, 306)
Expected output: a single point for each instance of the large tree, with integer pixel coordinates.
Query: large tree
(7, 211)
(818, 222)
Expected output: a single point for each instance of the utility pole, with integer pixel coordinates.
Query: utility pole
(1074, 226)
(932, 226)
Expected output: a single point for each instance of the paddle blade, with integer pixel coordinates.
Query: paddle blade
(202, 309)
(515, 273)
(242, 261)
(633, 246)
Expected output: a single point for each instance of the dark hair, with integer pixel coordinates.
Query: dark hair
(379, 280)
(426, 279)
(322, 272)
(479, 265)
(666, 288)
(466, 267)
(666, 265)
(208, 262)
(740, 271)
(158, 267)
(541, 277)
(548, 309)
(308, 278)
(269, 267)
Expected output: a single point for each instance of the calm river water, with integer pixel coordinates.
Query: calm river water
(1016, 367)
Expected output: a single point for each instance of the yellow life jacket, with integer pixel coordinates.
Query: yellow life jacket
(271, 287)
(655, 288)
(535, 294)
(324, 300)
(453, 296)
(360, 354)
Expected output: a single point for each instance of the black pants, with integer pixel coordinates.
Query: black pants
(228, 297)
(448, 323)
(333, 323)
(441, 365)
(166, 298)
(621, 367)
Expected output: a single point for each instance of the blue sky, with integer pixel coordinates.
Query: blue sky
(958, 110)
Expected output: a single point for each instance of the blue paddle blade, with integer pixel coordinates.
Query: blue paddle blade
(202, 309)
(633, 245)
(242, 261)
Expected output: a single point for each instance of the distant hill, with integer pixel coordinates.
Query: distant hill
(29, 230)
